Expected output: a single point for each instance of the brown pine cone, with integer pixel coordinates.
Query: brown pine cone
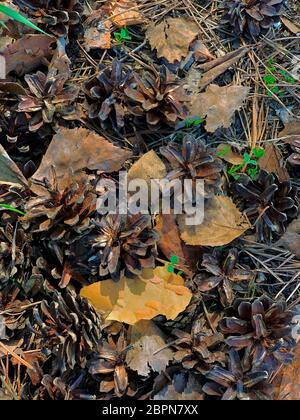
(237, 382)
(124, 244)
(61, 214)
(224, 273)
(269, 203)
(56, 16)
(263, 329)
(194, 160)
(251, 17)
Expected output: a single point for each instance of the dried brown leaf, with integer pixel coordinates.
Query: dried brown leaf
(27, 53)
(225, 152)
(125, 13)
(148, 167)
(218, 104)
(291, 238)
(10, 174)
(147, 339)
(293, 27)
(77, 149)
(223, 222)
(287, 385)
(272, 162)
(172, 37)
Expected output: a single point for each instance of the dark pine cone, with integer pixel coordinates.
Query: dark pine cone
(59, 214)
(269, 203)
(251, 17)
(123, 243)
(237, 382)
(69, 328)
(224, 272)
(263, 329)
(105, 95)
(157, 99)
(194, 160)
(57, 16)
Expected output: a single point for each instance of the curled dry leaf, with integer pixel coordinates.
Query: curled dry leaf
(10, 174)
(223, 222)
(27, 53)
(172, 37)
(291, 238)
(272, 162)
(149, 350)
(77, 149)
(155, 292)
(218, 104)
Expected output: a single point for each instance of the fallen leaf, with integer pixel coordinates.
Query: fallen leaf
(201, 52)
(272, 162)
(10, 174)
(146, 339)
(287, 385)
(184, 386)
(148, 167)
(76, 149)
(155, 292)
(172, 37)
(125, 13)
(97, 31)
(218, 104)
(223, 222)
(12, 345)
(291, 238)
(225, 152)
(27, 53)
(291, 132)
(291, 26)
(215, 68)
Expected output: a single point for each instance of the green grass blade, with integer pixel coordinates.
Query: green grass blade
(11, 208)
(19, 18)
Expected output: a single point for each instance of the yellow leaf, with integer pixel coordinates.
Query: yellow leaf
(155, 292)
(223, 222)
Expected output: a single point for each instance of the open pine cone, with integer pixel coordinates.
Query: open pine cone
(224, 273)
(269, 203)
(251, 17)
(61, 214)
(47, 98)
(156, 99)
(237, 382)
(263, 328)
(123, 244)
(105, 95)
(194, 160)
(57, 16)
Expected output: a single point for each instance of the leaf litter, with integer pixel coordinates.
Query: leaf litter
(144, 306)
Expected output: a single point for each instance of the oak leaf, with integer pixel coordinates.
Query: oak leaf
(76, 149)
(172, 37)
(149, 350)
(155, 292)
(218, 104)
(223, 222)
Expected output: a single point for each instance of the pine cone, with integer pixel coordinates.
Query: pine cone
(57, 16)
(156, 98)
(105, 95)
(251, 17)
(47, 98)
(61, 214)
(199, 349)
(124, 244)
(269, 203)
(194, 160)
(223, 267)
(69, 328)
(263, 328)
(236, 383)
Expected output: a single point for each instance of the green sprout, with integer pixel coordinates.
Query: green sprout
(11, 208)
(250, 163)
(14, 15)
(274, 76)
(122, 36)
(193, 122)
(173, 260)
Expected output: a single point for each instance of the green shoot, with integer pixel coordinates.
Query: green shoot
(273, 77)
(122, 36)
(10, 208)
(173, 260)
(193, 122)
(19, 18)
(250, 163)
